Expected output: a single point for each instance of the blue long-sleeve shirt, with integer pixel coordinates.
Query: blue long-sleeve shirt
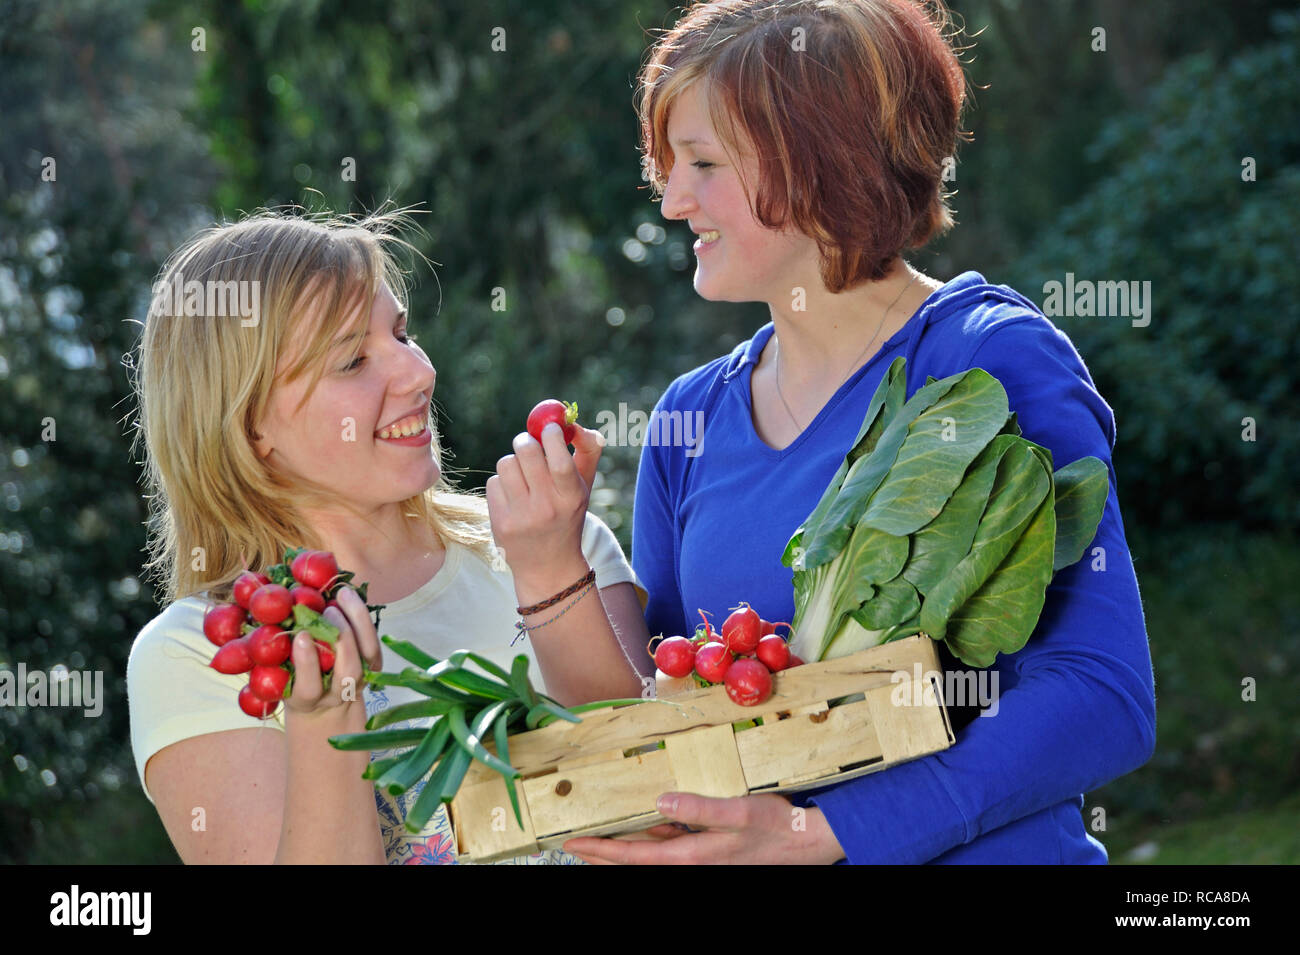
(1076, 706)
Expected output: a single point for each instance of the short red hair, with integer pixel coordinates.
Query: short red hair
(852, 107)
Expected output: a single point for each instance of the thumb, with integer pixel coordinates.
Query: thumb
(587, 446)
(701, 812)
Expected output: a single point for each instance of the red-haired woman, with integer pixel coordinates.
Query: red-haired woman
(805, 141)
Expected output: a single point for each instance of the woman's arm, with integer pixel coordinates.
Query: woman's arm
(655, 544)
(261, 796)
(1082, 708)
(537, 502)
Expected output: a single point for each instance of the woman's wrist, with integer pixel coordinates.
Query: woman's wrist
(829, 849)
(537, 585)
(349, 717)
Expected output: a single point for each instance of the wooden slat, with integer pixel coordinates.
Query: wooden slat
(817, 774)
(666, 686)
(477, 814)
(907, 723)
(482, 774)
(630, 824)
(630, 726)
(705, 761)
(797, 749)
(812, 709)
(596, 795)
(589, 760)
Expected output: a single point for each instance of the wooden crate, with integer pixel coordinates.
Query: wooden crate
(602, 776)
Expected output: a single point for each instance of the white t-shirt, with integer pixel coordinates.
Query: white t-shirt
(468, 604)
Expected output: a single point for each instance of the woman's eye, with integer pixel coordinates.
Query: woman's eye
(701, 164)
(357, 362)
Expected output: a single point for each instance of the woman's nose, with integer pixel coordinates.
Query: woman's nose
(677, 201)
(415, 373)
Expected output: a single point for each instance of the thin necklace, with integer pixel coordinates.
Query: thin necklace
(852, 367)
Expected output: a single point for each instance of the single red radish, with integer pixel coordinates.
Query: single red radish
(773, 652)
(258, 708)
(308, 597)
(769, 626)
(268, 683)
(325, 654)
(315, 568)
(712, 661)
(748, 682)
(246, 585)
(269, 645)
(233, 658)
(223, 623)
(551, 411)
(741, 631)
(675, 656)
(795, 661)
(270, 603)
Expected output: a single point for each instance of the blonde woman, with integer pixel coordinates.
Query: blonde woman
(306, 421)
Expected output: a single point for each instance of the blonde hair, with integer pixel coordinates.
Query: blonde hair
(201, 381)
(853, 108)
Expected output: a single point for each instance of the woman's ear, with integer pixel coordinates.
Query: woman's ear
(258, 436)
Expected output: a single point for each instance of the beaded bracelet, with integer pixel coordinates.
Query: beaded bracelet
(522, 628)
(552, 601)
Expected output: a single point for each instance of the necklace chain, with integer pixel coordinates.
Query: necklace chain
(852, 367)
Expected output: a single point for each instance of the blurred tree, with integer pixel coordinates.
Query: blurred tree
(92, 156)
(1198, 197)
(1041, 93)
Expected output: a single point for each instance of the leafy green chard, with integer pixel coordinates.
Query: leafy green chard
(942, 519)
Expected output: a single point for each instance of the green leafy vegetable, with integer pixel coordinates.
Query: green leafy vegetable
(942, 519)
(465, 706)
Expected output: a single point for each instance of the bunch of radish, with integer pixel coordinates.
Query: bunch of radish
(254, 635)
(742, 656)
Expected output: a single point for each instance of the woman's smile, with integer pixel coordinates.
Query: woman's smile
(410, 432)
(706, 241)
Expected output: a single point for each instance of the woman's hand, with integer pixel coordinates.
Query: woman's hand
(747, 830)
(357, 639)
(537, 502)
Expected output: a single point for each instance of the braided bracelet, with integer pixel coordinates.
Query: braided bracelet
(521, 628)
(552, 601)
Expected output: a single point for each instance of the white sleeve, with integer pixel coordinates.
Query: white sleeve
(603, 553)
(172, 693)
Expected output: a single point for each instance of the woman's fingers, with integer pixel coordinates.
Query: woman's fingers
(512, 479)
(587, 446)
(363, 628)
(347, 659)
(534, 464)
(345, 681)
(498, 506)
(564, 475)
(307, 687)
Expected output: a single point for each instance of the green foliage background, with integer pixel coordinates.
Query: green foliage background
(1122, 164)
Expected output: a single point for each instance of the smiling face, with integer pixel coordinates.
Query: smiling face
(348, 435)
(738, 258)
